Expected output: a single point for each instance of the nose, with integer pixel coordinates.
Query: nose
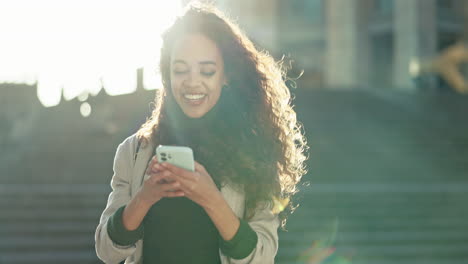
(193, 79)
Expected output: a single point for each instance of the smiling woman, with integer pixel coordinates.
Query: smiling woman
(93, 41)
(228, 102)
(197, 74)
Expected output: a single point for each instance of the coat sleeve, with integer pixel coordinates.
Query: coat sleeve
(265, 223)
(106, 249)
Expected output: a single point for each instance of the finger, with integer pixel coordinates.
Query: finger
(184, 185)
(154, 168)
(168, 176)
(174, 194)
(159, 176)
(150, 172)
(153, 178)
(153, 160)
(158, 167)
(148, 168)
(199, 167)
(170, 187)
(177, 171)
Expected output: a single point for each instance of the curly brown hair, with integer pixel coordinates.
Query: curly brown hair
(271, 161)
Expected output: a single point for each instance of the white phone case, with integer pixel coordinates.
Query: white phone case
(179, 156)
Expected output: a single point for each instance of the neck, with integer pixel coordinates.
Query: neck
(184, 129)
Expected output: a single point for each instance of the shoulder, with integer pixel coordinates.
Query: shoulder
(127, 147)
(130, 142)
(130, 145)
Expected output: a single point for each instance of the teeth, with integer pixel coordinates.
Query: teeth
(194, 96)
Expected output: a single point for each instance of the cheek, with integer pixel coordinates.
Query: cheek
(216, 85)
(216, 92)
(175, 83)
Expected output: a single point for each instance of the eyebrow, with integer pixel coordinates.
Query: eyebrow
(201, 62)
(207, 62)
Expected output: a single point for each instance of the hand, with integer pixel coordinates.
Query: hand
(198, 186)
(158, 184)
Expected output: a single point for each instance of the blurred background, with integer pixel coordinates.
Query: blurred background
(382, 99)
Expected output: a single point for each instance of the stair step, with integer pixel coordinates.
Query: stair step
(70, 227)
(380, 237)
(42, 215)
(391, 223)
(391, 251)
(51, 256)
(18, 244)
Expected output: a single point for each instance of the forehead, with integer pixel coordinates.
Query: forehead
(193, 48)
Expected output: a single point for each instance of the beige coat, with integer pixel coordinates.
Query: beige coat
(127, 180)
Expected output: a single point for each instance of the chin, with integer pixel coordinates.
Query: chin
(192, 114)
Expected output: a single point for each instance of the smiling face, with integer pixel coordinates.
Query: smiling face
(197, 74)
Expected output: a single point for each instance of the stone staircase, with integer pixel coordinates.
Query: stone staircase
(381, 223)
(50, 223)
(388, 174)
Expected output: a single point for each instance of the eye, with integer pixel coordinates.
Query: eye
(179, 72)
(208, 73)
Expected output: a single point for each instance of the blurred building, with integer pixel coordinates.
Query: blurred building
(72, 142)
(352, 43)
(339, 44)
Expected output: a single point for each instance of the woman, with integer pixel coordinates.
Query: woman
(229, 103)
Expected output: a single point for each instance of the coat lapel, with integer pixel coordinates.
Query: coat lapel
(141, 163)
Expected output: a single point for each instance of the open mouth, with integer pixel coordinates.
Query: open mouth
(194, 98)
(188, 96)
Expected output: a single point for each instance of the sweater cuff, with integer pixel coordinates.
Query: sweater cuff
(242, 244)
(119, 234)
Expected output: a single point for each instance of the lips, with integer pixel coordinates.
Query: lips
(194, 96)
(194, 99)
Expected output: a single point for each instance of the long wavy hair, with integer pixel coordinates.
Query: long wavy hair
(272, 160)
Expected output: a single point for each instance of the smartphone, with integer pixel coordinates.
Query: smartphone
(179, 156)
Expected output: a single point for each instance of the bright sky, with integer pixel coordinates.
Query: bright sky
(78, 45)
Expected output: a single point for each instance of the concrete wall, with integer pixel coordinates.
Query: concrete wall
(347, 58)
(415, 37)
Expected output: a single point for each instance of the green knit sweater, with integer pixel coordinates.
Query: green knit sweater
(177, 230)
